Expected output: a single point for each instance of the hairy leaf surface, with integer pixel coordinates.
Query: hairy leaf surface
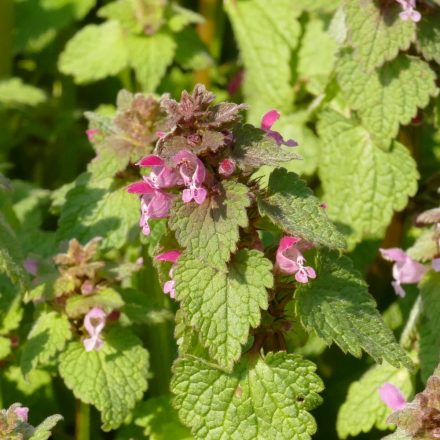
(222, 303)
(268, 398)
(338, 307)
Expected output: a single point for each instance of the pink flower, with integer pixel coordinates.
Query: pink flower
(160, 134)
(392, 396)
(87, 287)
(91, 133)
(161, 176)
(266, 124)
(409, 12)
(290, 260)
(172, 256)
(405, 269)
(436, 264)
(193, 173)
(94, 323)
(154, 203)
(226, 167)
(31, 266)
(22, 412)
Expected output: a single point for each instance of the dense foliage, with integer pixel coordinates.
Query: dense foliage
(199, 204)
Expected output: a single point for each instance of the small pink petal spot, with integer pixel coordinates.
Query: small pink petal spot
(392, 396)
(22, 412)
(269, 119)
(91, 133)
(151, 161)
(171, 256)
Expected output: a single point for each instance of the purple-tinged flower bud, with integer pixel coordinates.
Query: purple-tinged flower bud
(94, 323)
(91, 133)
(392, 396)
(31, 266)
(22, 412)
(87, 287)
(405, 269)
(193, 173)
(227, 167)
(290, 260)
(266, 124)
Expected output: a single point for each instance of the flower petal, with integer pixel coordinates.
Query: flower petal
(392, 396)
(269, 119)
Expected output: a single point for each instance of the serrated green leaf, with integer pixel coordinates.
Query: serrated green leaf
(429, 334)
(10, 306)
(266, 37)
(425, 247)
(428, 36)
(48, 336)
(371, 18)
(363, 185)
(13, 93)
(253, 148)
(211, 230)
(291, 205)
(363, 408)
(387, 97)
(338, 307)
(95, 52)
(150, 57)
(11, 259)
(267, 399)
(222, 303)
(113, 379)
(96, 208)
(43, 430)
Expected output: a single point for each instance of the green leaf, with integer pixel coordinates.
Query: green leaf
(267, 399)
(338, 307)
(113, 379)
(98, 208)
(221, 303)
(95, 52)
(253, 148)
(150, 57)
(11, 259)
(10, 306)
(5, 347)
(363, 408)
(191, 52)
(266, 38)
(388, 97)
(428, 36)
(211, 230)
(107, 299)
(291, 205)
(316, 56)
(368, 19)
(430, 339)
(159, 420)
(14, 93)
(48, 336)
(43, 430)
(363, 185)
(425, 247)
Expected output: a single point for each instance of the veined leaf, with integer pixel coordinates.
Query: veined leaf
(268, 398)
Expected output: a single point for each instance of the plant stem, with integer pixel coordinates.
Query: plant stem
(159, 339)
(82, 421)
(6, 25)
(407, 336)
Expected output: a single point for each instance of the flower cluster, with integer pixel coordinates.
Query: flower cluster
(409, 11)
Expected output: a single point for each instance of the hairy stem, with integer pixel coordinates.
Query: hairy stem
(159, 339)
(82, 421)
